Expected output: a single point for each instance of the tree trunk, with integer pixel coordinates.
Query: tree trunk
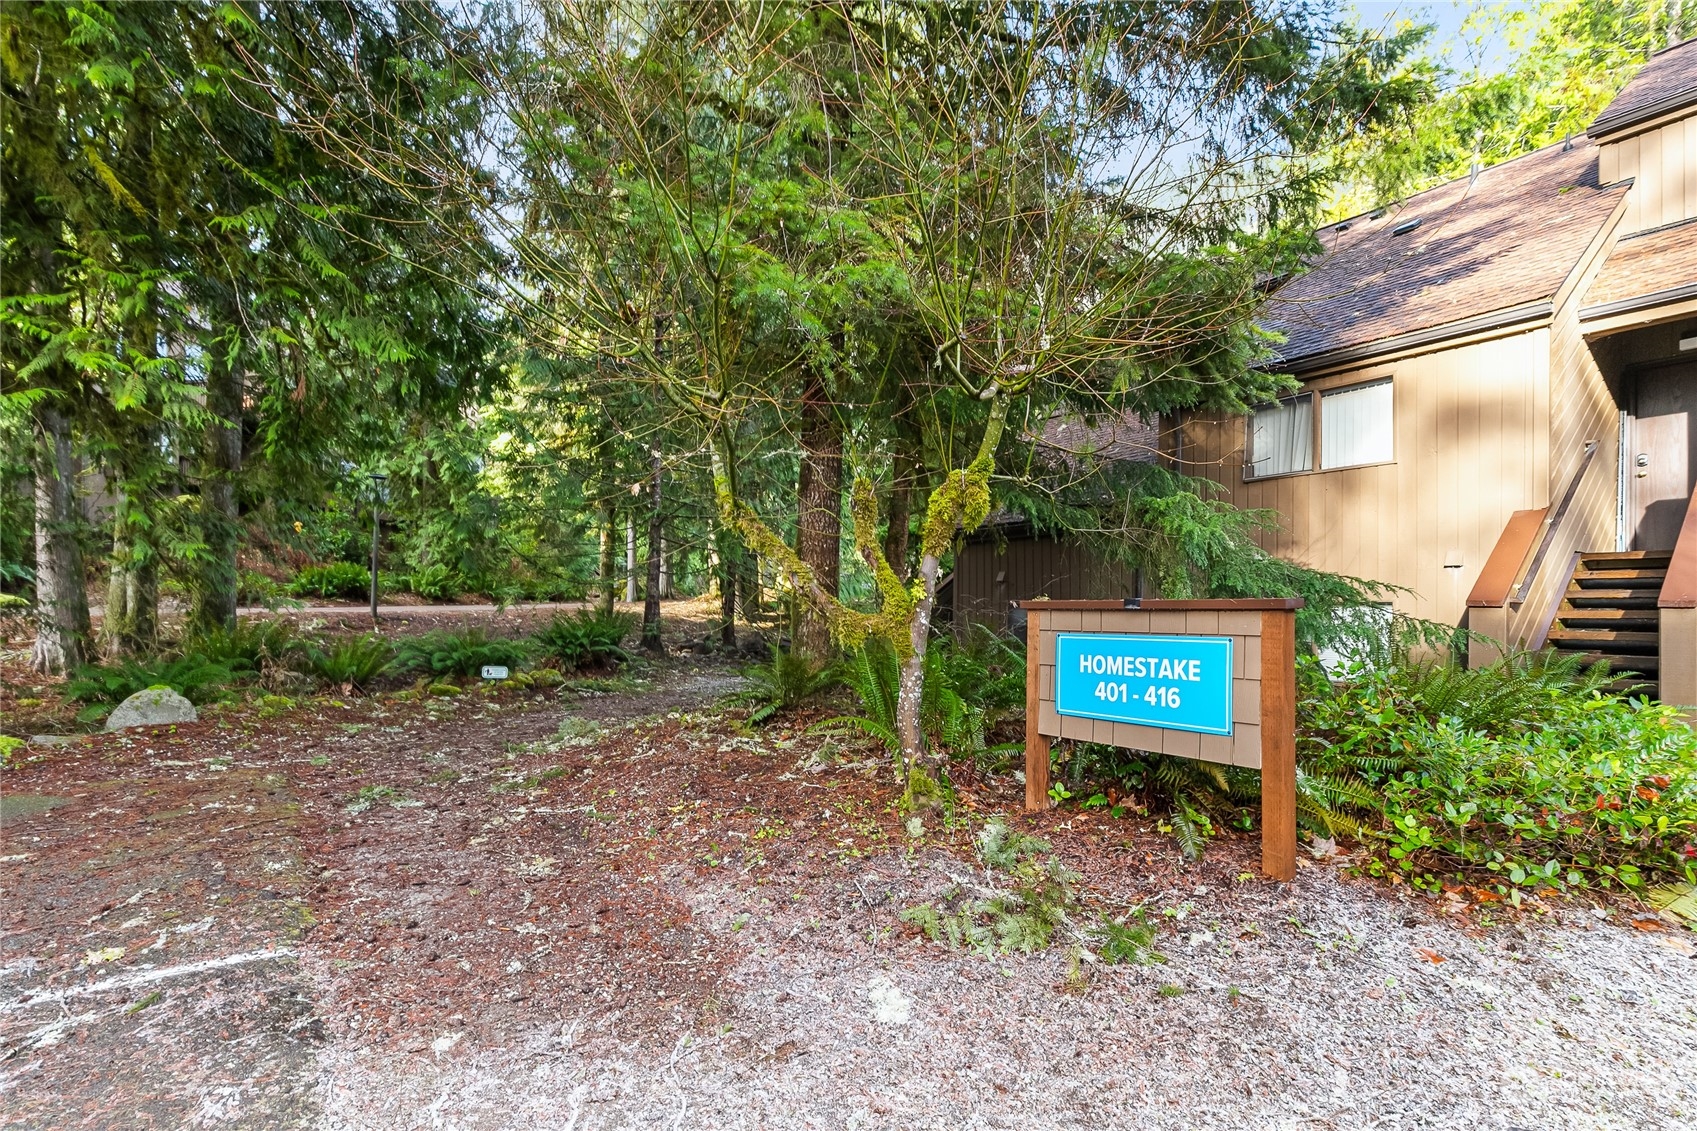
(728, 554)
(905, 480)
(130, 626)
(604, 595)
(665, 569)
(215, 596)
(909, 725)
(819, 494)
(656, 552)
(630, 558)
(61, 604)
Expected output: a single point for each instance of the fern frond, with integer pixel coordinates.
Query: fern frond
(1189, 828)
(864, 725)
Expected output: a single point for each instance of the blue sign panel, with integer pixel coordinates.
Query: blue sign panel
(1176, 682)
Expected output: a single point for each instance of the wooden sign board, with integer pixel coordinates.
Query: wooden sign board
(1212, 680)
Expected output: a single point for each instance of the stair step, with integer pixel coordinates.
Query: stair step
(1643, 665)
(1618, 559)
(1612, 598)
(1617, 639)
(1631, 578)
(1579, 622)
(1605, 616)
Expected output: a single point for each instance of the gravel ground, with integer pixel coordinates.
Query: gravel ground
(500, 947)
(1323, 1008)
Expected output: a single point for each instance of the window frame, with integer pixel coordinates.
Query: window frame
(1249, 475)
(1316, 391)
(1320, 423)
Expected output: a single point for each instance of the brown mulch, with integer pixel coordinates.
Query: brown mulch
(474, 865)
(265, 921)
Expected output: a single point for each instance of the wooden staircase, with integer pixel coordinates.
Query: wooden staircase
(1609, 613)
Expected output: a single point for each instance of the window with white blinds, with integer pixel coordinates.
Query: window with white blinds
(1356, 426)
(1281, 438)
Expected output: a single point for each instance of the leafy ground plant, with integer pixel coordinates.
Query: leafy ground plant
(785, 682)
(194, 677)
(357, 662)
(962, 700)
(462, 652)
(333, 579)
(435, 582)
(1522, 774)
(251, 645)
(1518, 775)
(586, 638)
(1029, 895)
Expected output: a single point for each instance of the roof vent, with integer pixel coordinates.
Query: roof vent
(1376, 213)
(1405, 227)
(1343, 227)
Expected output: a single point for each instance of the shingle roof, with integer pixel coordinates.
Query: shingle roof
(1111, 439)
(1645, 264)
(1507, 238)
(1666, 83)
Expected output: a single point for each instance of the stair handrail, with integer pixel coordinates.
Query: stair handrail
(1679, 587)
(1553, 524)
(1502, 568)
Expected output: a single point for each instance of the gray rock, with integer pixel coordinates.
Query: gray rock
(51, 739)
(151, 709)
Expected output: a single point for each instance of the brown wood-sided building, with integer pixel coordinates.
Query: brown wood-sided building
(1006, 560)
(1498, 404)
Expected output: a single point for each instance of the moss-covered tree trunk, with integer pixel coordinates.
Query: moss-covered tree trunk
(819, 498)
(727, 590)
(61, 605)
(959, 504)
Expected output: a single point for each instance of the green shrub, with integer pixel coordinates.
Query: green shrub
(785, 682)
(194, 677)
(1523, 774)
(251, 645)
(257, 589)
(435, 583)
(13, 602)
(12, 752)
(463, 651)
(357, 661)
(586, 637)
(334, 579)
(961, 701)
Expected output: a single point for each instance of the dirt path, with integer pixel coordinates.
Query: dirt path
(615, 907)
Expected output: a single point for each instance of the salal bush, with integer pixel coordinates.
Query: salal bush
(1522, 774)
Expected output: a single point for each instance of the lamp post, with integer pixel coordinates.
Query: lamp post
(376, 504)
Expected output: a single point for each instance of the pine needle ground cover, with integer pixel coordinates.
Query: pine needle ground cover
(525, 902)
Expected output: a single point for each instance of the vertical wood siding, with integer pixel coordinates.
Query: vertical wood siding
(1474, 443)
(1581, 410)
(1663, 165)
(1031, 568)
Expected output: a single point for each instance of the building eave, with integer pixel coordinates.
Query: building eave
(1528, 315)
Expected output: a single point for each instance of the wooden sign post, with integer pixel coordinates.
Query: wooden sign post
(1213, 680)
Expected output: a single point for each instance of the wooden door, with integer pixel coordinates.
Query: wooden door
(1660, 466)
